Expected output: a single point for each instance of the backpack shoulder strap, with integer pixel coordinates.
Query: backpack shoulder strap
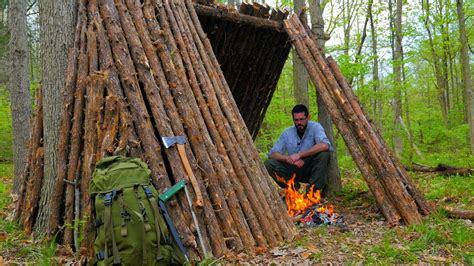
(109, 227)
(160, 226)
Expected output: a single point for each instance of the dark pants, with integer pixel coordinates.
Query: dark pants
(314, 170)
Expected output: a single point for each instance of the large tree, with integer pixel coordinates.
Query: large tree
(57, 23)
(466, 72)
(300, 75)
(316, 8)
(19, 87)
(397, 76)
(376, 103)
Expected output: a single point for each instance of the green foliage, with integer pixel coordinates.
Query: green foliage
(5, 126)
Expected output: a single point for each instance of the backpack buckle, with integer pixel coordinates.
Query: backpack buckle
(125, 215)
(147, 192)
(109, 197)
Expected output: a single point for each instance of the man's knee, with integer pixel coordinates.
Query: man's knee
(321, 157)
(324, 156)
(271, 165)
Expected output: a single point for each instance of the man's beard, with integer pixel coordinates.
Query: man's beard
(301, 130)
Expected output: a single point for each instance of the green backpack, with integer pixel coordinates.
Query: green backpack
(130, 229)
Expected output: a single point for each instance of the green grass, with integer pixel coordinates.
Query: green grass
(15, 246)
(387, 252)
(455, 189)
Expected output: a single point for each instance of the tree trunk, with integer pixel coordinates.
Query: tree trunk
(19, 87)
(376, 104)
(444, 30)
(57, 23)
(466, 72)
(398, 84)
(300, 75)
(317, 26)
(441, 83)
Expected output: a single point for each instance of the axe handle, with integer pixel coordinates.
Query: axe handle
(192, 178)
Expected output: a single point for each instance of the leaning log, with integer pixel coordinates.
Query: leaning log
(237, 18)
(28, 208)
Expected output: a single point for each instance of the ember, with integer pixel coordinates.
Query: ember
(317, 215)
(306, 208)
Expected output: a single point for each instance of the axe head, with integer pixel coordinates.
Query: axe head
(170, 141)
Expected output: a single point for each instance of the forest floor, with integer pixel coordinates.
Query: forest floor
(365, 238)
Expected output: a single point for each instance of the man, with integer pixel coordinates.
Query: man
(307, 152)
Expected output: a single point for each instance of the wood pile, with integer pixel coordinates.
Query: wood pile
(396, 195)
(251, 46)
(139, 71)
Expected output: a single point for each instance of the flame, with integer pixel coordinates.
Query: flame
(297, 202)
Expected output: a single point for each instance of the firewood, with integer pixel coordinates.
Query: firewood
(459, 213)
(240, 137)
(142, 70)
(220, 135)
(143, 126)
(442, 169)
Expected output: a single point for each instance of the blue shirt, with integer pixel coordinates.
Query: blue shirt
(289, 141)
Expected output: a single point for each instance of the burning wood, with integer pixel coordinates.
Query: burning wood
(306, 208)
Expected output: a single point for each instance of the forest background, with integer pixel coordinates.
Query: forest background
(424, 114)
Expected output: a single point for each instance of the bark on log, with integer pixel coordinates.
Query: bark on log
(211, 110)
(375, 135)
(459, 213)
(66, 122)
(242, 18)
(259, 176)
(29, 201)
(442, 169)
(129, 84)
(76, 141)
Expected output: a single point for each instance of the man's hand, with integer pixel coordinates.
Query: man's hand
(299, 163)
(295, 157)
(288, 160)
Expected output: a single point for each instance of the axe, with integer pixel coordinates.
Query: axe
(179, 141)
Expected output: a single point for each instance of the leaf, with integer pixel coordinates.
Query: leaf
(298, 250)
(306, 255)
(279, 252)
(3, 237)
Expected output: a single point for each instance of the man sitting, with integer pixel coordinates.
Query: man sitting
(307, 149)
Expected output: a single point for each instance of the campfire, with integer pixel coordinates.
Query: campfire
(306, 208)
